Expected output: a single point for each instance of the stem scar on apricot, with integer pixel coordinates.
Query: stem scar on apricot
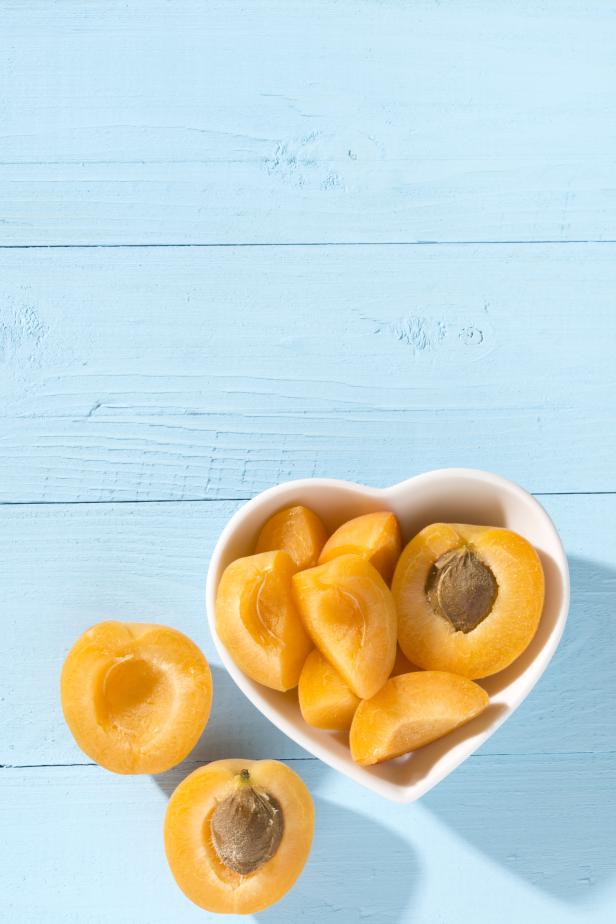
(461, 588)
(246, 827)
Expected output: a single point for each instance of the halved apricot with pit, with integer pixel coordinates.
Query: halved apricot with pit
(469, 598)
(349, 612)
(412, 710)
(238, 833)
(325, 700)
(258, 622)
(374, 536)
(298, 531)
(136, 696)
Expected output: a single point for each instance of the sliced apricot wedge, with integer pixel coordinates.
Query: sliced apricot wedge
(136, 696)
(374, 536)
(469, 598)
(349, 613)
(410, 711)
(238, 833)
(258, 622)
(325, 700)
(298, 531)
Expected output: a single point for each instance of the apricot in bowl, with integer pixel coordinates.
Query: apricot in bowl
(238, 833)
(136, 696)
(296, 530)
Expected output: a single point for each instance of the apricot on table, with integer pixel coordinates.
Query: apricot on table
(374, 536)
(469, 598)
(136, 696)
(349, 613)
(238, 833)
(258, 622)
(325, 700)
(298, 531)
(412, 710)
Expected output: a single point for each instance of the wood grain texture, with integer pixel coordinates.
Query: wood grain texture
(286, 121)
(68, 566)
(87, 848)
(146, 374)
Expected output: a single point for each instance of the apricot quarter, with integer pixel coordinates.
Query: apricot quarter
(349, 612)
(412, 710)
(296, 530)
(374, 536)
(469, 598)
(136, 696)
(325, 700)
(238, 833)
(258, 622)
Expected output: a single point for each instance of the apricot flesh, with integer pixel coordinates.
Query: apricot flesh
(298, 531)
(238, 833)
(258, 622)
(136, 696)
(374, 536)
(325, 700)
(349, 612)
(410, 711)
(469, 598)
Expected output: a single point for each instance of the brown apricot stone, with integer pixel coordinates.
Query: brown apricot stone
(410, 711)
(349, 612)
(238, 833)
(469, 598)
(258, 622)
(374, 536)
(298, 531)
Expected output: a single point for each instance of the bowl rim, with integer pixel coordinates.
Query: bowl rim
(393, 791)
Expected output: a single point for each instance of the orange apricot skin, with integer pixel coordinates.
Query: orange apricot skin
(410, 711)
(298, 531)
(258, 622)
(429, 640)
(374, 536)
(135, 696)
(349, 612)
(196, 868)
(325, 700)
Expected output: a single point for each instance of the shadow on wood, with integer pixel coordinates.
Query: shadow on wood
(549, 814)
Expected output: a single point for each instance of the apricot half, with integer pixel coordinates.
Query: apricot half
(469, 598)
(412, 710)
(325, 700)
(374, 536)
(258, 622)
(238, 833)
(296, 530)
(349, 612)
(136, 696)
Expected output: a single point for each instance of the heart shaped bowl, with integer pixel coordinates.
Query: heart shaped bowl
(454, 495)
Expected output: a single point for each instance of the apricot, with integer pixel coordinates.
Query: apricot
(296, 530)
(258, 622)
(325, 700)
(238, 833)
(136, 696)
(469, 598)
(412, 710)
(374, 536)
(402, 665)
(349, 612)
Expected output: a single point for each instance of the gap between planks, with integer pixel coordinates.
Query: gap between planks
(255, 244)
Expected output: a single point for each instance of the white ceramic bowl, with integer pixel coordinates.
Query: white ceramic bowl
(450, 495)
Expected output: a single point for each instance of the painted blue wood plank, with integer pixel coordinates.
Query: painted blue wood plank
(66, 567)
(504, 839)
(213, 373)
(286, 121)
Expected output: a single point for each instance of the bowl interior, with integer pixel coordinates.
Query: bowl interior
(454, 495)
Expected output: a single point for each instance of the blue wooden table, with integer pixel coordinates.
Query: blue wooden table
(247, 242)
